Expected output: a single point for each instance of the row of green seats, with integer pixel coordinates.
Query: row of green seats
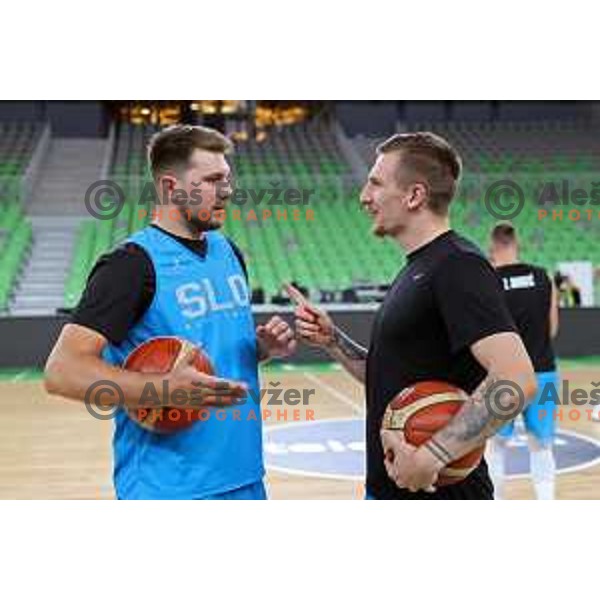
(282, 167)
(335, 250)
(10, 214)
(534, 164)
(10, 167)
(11, 260)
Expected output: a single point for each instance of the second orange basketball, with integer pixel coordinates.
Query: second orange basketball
(419, 411)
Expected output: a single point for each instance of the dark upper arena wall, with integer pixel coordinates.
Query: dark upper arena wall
(27, 341)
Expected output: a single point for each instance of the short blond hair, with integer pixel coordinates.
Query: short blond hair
(427, 155)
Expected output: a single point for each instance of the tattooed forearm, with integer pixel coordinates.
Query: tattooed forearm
(473, 422)
(479, 419)
(351, 355)
(347, 346)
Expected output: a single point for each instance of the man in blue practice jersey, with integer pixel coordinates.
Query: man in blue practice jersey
(178, 277)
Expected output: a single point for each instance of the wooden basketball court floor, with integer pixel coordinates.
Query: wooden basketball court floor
(51, 448)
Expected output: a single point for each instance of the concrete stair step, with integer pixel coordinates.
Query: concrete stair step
(48, 250)
(41, 266)
(41, 249)
(47, 275)
(76, 179)
(31, 312)
(86, 156)
(46, 266)
(49, 254)
(65, 154)
(39, 280)
(53, 205)
(43, 289)
(50, 280)
(72, 210)
(49, 246)
(64, 173)
(40, 301)
(63, 195)
(51, 267)
(51, 224)
(59, 238)
(52, 232)
(64, 170)
(54, 235)
(39, 289)
(38, 286)
(42, 263)
(57, 192)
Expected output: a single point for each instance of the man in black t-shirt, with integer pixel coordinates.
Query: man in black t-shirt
(533, 303)
(444, 317)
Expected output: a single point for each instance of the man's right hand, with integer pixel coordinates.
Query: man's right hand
(75, 366)
(201, 389)
(313, 325)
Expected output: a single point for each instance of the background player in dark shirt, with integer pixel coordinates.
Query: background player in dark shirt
(444, 317)
(533, 303)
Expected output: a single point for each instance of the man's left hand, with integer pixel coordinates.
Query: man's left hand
(276, 339)
(407, 466)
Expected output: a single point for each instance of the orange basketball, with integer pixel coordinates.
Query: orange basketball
(424, 408)
(162, 355)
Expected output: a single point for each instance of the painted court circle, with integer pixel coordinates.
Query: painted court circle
(335, 448)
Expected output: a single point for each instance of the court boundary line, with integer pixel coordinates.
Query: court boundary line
(335, 393)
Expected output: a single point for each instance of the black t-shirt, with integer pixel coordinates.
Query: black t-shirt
(445, 299)
(529, 294)
(121, 287)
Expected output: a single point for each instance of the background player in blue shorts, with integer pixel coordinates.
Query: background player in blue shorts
(532, 301)
(178, 277)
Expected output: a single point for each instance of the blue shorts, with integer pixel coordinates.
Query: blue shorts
(254, 491)
(539, 413)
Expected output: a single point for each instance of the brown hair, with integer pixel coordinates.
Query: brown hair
(431, 157)
(172, 147)
(504, 234)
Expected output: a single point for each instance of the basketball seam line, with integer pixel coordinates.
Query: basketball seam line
(400, 416)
